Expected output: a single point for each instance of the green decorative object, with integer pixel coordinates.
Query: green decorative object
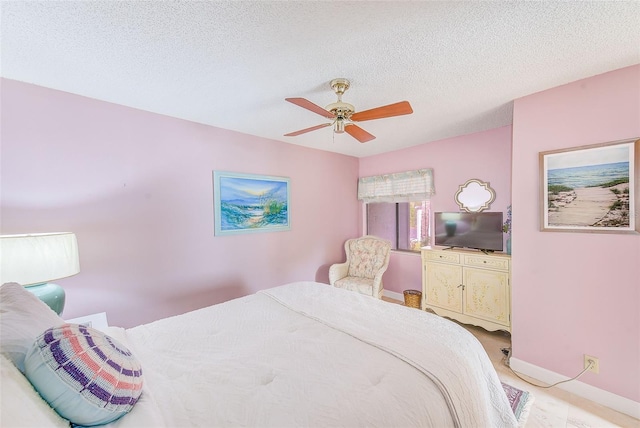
(506, 228)
(51, 294)
(32, 260)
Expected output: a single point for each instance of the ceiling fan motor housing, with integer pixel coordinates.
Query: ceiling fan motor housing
(340, 109)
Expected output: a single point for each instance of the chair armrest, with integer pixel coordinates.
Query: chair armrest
(377, 280)
(337, 272)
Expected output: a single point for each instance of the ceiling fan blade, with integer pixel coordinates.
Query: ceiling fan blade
(397, 109)
(304, 131)
(301, 102)
(358, 133)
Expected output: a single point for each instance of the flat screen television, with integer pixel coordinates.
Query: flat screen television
(482, 231)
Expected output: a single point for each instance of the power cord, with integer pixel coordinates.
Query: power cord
(507, 357)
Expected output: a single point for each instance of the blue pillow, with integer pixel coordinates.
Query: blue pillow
(86, 376)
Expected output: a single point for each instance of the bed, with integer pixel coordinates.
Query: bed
(302, 354)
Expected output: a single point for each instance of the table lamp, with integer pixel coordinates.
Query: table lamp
(34, 259)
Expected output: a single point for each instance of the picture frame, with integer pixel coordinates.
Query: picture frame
(249, 203)
(592, 188)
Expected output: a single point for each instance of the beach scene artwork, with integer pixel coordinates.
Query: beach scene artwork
(589, 188)
(250, 203)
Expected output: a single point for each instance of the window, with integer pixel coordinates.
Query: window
(405, 224)
(398, 207)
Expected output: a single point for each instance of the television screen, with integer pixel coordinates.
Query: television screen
(482, 231)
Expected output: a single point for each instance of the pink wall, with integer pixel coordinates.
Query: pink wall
(575, 293)
(136, 188)
(483, 155)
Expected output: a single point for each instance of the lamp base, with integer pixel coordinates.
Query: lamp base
(51, 294)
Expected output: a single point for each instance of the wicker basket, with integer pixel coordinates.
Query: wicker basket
(412, 298)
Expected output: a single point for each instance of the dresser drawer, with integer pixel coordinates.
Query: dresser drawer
(488, 262)
(442, 256)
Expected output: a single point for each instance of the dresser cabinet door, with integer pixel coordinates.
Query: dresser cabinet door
(443, 286)
(487, 295)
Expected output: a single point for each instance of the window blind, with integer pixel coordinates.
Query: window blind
(398, 187)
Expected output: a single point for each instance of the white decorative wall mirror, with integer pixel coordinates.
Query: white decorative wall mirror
(475, 196)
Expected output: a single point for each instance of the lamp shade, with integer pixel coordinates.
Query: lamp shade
(38, 258)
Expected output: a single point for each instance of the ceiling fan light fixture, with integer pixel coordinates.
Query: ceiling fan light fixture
(344, 114)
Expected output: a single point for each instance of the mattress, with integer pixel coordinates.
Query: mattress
(308, 354)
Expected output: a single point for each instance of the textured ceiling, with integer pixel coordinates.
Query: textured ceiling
(231, 64)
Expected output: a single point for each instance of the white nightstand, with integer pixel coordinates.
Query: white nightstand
(97, 321)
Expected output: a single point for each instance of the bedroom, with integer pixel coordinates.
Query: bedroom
(136, 188)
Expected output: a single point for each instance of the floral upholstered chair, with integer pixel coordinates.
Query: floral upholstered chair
(367, 260)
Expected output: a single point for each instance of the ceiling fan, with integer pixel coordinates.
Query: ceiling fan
(344, 114)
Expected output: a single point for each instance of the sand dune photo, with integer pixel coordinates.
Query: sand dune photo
(590, 188)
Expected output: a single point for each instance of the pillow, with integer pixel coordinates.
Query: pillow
(21, 406)
(22, 318)
(86, 376)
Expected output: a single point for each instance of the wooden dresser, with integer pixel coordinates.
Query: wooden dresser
(468, 286)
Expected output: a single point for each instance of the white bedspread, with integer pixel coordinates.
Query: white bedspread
(307, 354)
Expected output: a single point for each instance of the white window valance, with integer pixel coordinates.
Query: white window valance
(399, 187)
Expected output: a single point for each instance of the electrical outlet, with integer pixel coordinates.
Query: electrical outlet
(595, 368)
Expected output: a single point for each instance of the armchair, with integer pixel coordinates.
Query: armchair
(367, 260)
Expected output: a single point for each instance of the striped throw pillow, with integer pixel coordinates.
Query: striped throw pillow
(85, 375)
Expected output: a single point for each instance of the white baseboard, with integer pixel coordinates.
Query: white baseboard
(616, 402)
(393, 295)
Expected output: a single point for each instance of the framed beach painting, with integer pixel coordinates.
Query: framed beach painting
(591, 188)
(247, 203)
